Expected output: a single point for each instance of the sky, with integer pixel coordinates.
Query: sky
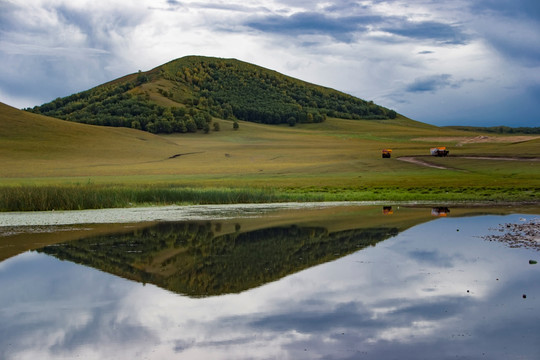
(456, 62)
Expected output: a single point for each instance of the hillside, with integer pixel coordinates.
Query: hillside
(185, 94)
(33, 145)
(44, 146)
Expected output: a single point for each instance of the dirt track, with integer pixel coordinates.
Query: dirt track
(461, 140)
(417, 161)
(414, 160)
(503, 158)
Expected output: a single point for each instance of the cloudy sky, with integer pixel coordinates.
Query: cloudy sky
(454, 62)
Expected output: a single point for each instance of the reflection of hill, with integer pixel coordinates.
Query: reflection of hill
(187, 258)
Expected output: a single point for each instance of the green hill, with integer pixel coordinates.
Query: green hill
(183, 96)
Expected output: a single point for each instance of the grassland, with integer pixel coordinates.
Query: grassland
(53, 164)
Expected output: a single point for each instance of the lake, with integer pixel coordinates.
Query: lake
(282, 281)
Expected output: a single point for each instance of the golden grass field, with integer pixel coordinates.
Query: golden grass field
(335, 156)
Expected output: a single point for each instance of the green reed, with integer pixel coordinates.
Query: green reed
(91, 196)
(99, 196)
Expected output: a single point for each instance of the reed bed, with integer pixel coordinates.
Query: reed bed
(78, 197)
(100, 196)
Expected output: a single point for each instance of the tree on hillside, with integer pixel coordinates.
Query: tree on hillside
(190, 125)
(291, 121)
(141, 78)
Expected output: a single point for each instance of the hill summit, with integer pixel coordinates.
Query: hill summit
(183, 96)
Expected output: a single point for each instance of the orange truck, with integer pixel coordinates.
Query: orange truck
(439, 151)
(440, 211)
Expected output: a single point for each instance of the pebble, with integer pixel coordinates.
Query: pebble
(526, 234)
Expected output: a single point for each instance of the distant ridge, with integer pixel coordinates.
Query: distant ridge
(498, 129)
(185, 94)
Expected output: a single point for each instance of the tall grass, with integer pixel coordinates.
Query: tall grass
(91, 196)
(99, 196)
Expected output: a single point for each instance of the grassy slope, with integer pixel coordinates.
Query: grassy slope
(339, 158)
(39, 146)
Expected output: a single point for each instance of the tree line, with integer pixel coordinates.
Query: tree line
(499, 129)
(116, 106)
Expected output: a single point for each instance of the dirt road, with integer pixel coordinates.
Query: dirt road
(414, 160)
(417, 161)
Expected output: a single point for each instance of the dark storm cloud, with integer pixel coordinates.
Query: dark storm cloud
(340, 28)
(344, 27)
(519, 50)
(534, 92)
(520, 21)
(430, 30)
(522, 8)
(430, 83)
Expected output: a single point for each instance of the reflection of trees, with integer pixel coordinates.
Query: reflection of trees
(187, 258)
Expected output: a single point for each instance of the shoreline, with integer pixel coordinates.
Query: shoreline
(164, 213)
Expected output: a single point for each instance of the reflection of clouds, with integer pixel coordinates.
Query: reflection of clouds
(434, 258)
(348, 315)
(64, 313)
(372, 304)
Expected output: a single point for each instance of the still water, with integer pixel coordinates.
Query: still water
(343, 282)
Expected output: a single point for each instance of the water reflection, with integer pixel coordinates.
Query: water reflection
(441, 211)
(430, 292)
(387, 210)
(188, 258)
